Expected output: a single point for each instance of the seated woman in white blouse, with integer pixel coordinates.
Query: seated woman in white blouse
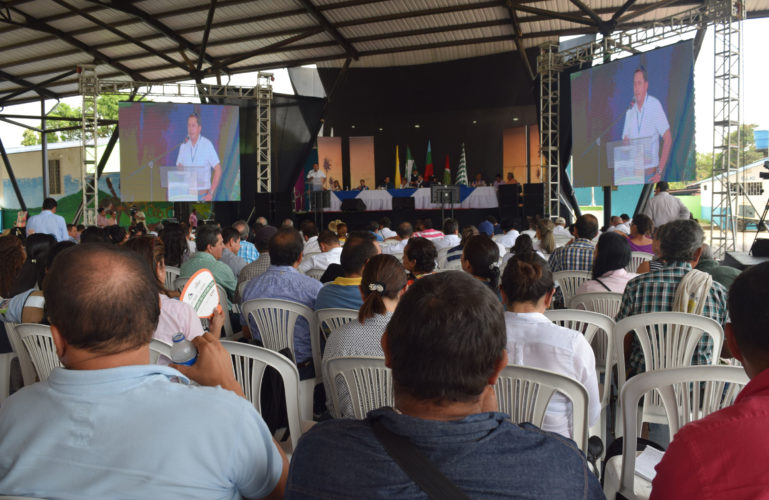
(612, 254)
(533, 340)
(382, 283)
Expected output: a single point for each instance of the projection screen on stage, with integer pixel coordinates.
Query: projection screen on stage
(179, 152)
(633, 119)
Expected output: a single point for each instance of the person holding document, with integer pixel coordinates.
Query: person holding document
(197, 151)
(644, 119)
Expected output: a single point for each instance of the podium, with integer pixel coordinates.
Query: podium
(181, 183)
(443, 195)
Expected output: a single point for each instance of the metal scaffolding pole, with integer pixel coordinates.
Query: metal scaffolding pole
(89, 177)
(263, 133)
(549, 88)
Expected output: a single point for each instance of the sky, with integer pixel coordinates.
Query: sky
(755, 75)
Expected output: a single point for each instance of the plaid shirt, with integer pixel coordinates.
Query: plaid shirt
(577, 256)
(655, 292)
(248, 252)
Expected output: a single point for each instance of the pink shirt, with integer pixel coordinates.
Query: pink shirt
(177, 316)
(615, 280)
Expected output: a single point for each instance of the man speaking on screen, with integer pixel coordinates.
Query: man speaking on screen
(646, 118)
(197, 151)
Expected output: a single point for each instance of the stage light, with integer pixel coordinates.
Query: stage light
(515, 118)
(475, 121)
(381, 129)
(352, 126)
(416, 126)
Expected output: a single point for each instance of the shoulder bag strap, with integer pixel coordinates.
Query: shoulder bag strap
(603, 285)
(418, 467)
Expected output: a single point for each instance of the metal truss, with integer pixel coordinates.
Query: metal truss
(552, 61)
(263, 133)
(89, 177)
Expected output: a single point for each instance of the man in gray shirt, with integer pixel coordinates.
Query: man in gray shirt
(665, 207)
(231, 238)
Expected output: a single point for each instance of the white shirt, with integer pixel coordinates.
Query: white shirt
(648, 120)
(321, 260)
(395, 247)
(201, 154)
(311, 246)
(386, 232)
(664, 207)
(448, 241)
(508, 239)
(561, 231)
(533, 340)
(622, 228)
(316, 179)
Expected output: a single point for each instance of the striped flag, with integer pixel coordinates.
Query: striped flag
(397, 183)
(462, 170)
(447, 173)
(429, 164)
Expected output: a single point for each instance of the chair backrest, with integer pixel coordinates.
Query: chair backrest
(38, 341)
(332, 318)
(601, 302)
(688, 394)
(28, 374)
(368, 381)
(159, 348)
(228, 331)
(241, 287)
(171, 274)
(524, 392)
(275, 319)
(636, 259)
(248, 365)
(569, 281)
(315, 273)
(453, 265)
(180, 282)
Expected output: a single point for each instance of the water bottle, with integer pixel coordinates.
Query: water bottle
(183, 352)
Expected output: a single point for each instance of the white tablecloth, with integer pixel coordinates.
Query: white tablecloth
(381, 200)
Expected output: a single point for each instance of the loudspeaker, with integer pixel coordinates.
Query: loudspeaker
(353, 205)
(509, 194)
(406, 203)
(533, 199)
(760, 248)
(320, 200)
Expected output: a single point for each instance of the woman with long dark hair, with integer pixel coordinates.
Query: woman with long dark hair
(32, 272)
(480, 258)
(174, 238)
(612, 255)
(12, 257)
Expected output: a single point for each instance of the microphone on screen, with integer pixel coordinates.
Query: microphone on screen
(187, 138)
(632, 103)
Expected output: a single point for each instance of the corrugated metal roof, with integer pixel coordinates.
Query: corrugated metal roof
(162, 39)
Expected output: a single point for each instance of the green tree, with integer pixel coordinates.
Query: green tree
(704, 165)
(747, 147)
(31, 138)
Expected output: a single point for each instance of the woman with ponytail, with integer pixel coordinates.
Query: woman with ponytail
(381, 286)
(533, 340)
(481, 259)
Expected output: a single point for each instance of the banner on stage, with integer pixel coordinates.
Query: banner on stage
(362, 162)
(330, 159)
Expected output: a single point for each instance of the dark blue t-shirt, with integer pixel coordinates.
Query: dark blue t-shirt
(485, 455)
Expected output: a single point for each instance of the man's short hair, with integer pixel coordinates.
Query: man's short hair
(49, 204)
(707, 252)
(642, 70)
(80, 300)
(262, 237)
(450, 226)
(355, 253)
(662, 186)
(748, 313)
(587, 226)
(286, 247)
(404, 230)
(229, 234)
(308, 228)
(427, 223)
(624, 217)
(385, 222)
(206, 235)
(445, 338)
(93, 234)
(560, 221)
(327, 237)
(242, 227)
(507, 224)
(680, 240)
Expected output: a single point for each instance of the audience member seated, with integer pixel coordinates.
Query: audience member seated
(341, 232)
(511, 179)
(283, 281)
(478, 181)
(427, 231)
(362, 186)
(612, 255)
(382, 284)
(681, 245)
(445, 407)
(210, 246)
(108, 423)
(724, 455)
(455, 253)
(12, 257)
(487, 228)
(175, 315)
(722, 274)
(524, 245)
(344, 291)
(532, 223)
(262, 237)
(616, 224)
(641, 230)
(480, 258)
(231, 239)
(384, 228)
(577, 255)
(533, 340)
(451, 235)
(419, 258)
(373, 228)
(560, 229)
(30, 275)
(93, 234)
(545, 240)
(657, 261)
(247, 251)
(509, 233)
(72, 232)
(396, 245)
(310, 234)
(331, 252)
(115, 234)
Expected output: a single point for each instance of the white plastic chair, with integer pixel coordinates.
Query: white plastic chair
(171, 274)
(6, 362)
(275, 319)
(688, 394)
(332, 318)
(159, 348)
(453, 265)
(607, 303)
(248, 365)
(524, 392)
(38, 341)
(636, 259)
(179, 283)
(668, 340)
(369, 383)
(315, 273)
(28, 374)
(569, 281)
(598, 330)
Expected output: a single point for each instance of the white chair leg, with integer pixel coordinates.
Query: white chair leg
(306, 392)
(6, 360)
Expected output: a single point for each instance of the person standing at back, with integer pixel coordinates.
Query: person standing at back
(48, 222)
(664, 207)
